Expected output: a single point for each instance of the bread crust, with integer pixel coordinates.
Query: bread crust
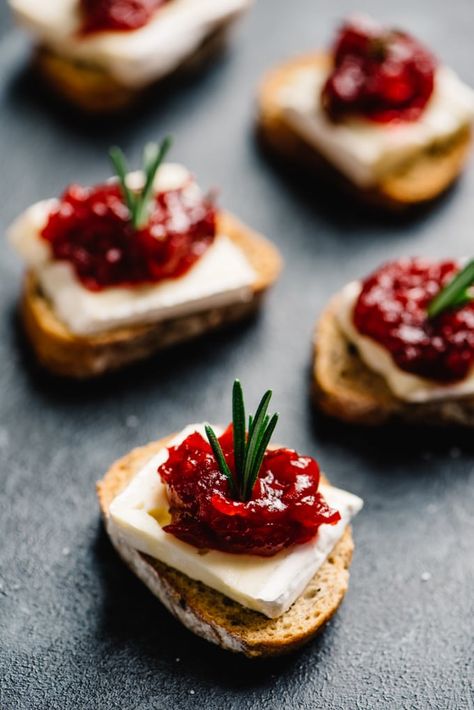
(345, 388)
(418, 182)
(210, 614)
(93, 90)
(70, 355)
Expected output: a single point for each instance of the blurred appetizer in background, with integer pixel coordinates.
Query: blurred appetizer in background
(118, 271)
(379, 114)
(400, 345)
(102, 54)
(245, 543)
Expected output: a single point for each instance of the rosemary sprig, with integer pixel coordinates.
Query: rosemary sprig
(220, 458)
(238, 418)
(138, 201)
(249, 449)
(455, 294)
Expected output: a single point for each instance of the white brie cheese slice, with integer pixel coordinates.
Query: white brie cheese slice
(366, 151)
(404, 385)
(222, 276)
(269, 585)
(134, 58)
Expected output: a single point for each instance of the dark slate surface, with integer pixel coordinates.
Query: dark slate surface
(77, 630)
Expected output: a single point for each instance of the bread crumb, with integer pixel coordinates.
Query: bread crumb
(425, 577)
(177, 660)
(191, 692)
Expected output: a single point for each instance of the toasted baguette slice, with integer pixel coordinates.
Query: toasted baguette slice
(92, 89)
(418, 181)
(212, 615)
(344, 387)
(66, 354)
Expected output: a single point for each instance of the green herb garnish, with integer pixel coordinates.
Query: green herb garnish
(455, 294)
(249, 448)
(138, 201)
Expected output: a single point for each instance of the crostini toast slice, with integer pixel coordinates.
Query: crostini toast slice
(209, 613)
(418, 181)
(70, 355)
(92, 89)
(345, 388)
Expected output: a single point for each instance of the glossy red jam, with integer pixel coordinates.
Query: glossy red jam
(391, 310)
(91, 229)
(117, 15)
(380, 74)
(285, 508)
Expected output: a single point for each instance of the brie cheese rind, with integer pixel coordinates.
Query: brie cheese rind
(134, 58)
(365, 151)
(222, 276)
(269, 585)
(405, 386)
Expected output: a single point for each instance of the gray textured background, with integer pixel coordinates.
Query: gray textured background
(77, 630)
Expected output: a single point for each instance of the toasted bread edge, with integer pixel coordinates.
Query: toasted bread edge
(95, 91)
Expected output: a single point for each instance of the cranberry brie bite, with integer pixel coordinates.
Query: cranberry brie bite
(245, 543)
(400, 344)
(379, 113)
(102, 54)
(143, 261)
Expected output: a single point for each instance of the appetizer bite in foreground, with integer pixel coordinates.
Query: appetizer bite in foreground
(102, 54)
(118, 271)
(245, 543)
(379, 113)
(400, 345)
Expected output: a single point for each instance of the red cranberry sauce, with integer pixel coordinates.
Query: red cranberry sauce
(285, 508)
(116, 15)
(91, 229)
(380, 74)
(391, 310)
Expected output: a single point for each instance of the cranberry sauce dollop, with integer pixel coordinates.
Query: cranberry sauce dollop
(380, 74)
(116, 15)
(285, 508)
(91, 229)
(391, 310)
